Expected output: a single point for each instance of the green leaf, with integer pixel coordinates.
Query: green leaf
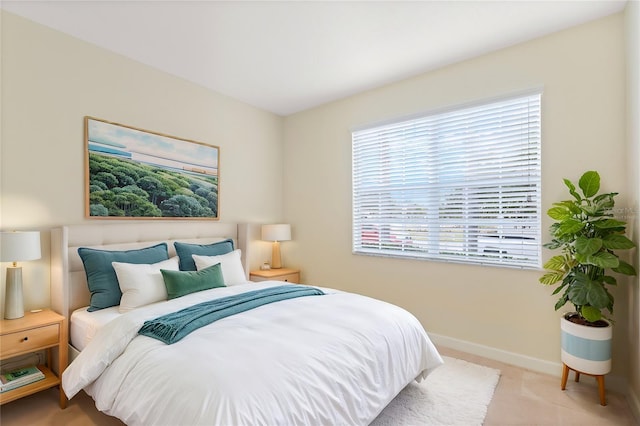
(578, 295)
(581, 258)
(569, 184)
(559, 288)
(559, 213)
(609, 223)
(625, 268)
(573, 207)
(556, 263)
(603, 260)
(593, 211)
(551, 278)
(611, 301)
(590, 313)
(590, 183)
(588, 246)
(561, 302)
(572, 189)
(605, 201)
(605, 197)
(570, 226)
(609, 280)
(577, 291)
(580, 278)
(570, 205)
(585, 291)
(552, 245)
(617, 242)
(597, 296)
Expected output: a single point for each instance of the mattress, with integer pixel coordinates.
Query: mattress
(85, 324)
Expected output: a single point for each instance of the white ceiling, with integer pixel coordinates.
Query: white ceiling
(289, 56)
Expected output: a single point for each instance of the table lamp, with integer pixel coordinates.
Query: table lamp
(276, 233)
(16, 247)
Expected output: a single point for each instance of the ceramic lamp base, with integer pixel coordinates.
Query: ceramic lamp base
(14, 304)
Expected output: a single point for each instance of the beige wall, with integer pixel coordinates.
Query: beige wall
(582, 73)
(50, 81)
(632, 32)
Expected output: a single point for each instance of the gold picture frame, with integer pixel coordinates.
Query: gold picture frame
(132, 173)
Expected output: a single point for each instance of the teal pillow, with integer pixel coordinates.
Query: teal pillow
(101, 277)
(186, 250)
(181, 283)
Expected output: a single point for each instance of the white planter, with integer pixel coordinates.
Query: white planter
(586, 349)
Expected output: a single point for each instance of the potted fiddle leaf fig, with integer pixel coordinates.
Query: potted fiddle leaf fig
(588, 238)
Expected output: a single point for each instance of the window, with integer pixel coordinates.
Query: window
(461, 185)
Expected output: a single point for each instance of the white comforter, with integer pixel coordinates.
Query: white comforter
(336, 359)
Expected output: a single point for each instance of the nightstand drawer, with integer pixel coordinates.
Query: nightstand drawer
(291, 278)
(29, 340)
(281, 274)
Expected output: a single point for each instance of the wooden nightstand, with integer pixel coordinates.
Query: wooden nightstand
(281, 274)
(34, 332)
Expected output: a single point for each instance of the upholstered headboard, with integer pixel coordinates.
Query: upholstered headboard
(69, 289)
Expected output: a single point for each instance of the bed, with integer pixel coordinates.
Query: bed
(330, 357)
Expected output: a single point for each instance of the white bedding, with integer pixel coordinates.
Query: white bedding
(85, 325)
(319, 360)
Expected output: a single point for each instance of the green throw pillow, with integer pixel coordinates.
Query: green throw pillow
(181, 283)
(186, 250)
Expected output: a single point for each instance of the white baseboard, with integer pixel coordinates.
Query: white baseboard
(615, 383)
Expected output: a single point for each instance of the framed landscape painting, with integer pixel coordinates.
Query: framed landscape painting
(134, 173)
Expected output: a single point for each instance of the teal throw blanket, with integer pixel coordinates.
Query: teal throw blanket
(172, 327)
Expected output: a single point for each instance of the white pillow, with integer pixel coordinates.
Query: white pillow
(230, 263)
(142, 284)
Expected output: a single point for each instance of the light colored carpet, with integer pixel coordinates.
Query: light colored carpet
(521, 398)
(455, 394)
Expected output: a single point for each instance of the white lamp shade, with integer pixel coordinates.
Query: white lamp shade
(19, 246)
(278, 232)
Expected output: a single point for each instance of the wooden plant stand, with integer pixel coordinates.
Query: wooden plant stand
(599, 378)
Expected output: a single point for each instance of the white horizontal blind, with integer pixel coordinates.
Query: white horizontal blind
(462, 186)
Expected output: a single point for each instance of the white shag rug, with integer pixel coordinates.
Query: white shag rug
(454, 394)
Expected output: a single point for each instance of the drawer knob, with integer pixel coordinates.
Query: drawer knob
(25, 338)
